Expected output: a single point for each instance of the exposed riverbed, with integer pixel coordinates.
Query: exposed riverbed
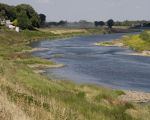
(88, 63)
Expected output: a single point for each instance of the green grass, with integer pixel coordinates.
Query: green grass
(36, 60)
(27, 89)
(138, 42)
(38, 91)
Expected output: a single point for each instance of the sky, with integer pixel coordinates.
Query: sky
(90, 10)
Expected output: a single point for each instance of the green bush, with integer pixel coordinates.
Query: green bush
(145, 36)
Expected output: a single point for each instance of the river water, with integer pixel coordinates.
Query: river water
(87, 63)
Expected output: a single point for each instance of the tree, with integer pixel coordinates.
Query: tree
(96, 23)
(62, 23)
(99, 23)
(110, 23)
(30, 13)
(7, 12)
(52, 23)
(35, 20)
(3, 14)
(23, 21)
(42, 19)
(22, 15)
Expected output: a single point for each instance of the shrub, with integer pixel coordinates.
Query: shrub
(145, 36)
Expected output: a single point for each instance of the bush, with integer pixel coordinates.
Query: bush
(145, 36)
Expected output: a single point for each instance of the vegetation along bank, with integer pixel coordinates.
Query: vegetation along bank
(139, 43)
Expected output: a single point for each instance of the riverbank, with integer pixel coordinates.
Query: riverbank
(135, 96)
(27, 95)
(138, 43)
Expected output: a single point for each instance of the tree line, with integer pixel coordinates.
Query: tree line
(60, 23)
(109, 23)
(134, 24)
(22, 15)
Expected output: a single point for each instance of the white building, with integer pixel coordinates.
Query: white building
(2, 21)
(11, 27)
(17, 29)
(8, 22)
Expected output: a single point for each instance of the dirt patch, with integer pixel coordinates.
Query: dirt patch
(40, 68)
(144, 53)
(10, 111)
(114, 43)
(36, 50)
(135, 96)
(68, 31)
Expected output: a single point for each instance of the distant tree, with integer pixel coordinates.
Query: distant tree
(42, 19)
(99, 23)
(62, 23)
(110, 23)
(35, 20)
(7, 12)
(52, 23)
(22, 15)
(23, 21)
(30, 13)
(3, 14)
(96, 23)
(146, 24)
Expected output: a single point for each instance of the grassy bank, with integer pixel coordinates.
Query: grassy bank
(139, 43)
(26, 95)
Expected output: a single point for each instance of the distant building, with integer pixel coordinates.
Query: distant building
(17, 29)
(11, 27)
(8, 24)
(2, 21)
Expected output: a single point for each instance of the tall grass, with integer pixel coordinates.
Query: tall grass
(139, 42)
(37, 95)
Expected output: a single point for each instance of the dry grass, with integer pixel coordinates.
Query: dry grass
(63, 30)
(8, 109)
(117, 43)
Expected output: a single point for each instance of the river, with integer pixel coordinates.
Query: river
(87, 63)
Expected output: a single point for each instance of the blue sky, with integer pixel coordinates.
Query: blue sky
(91, 10)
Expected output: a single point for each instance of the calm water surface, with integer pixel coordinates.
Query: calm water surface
(87, 63)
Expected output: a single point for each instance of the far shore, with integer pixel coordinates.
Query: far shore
(119, 43)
